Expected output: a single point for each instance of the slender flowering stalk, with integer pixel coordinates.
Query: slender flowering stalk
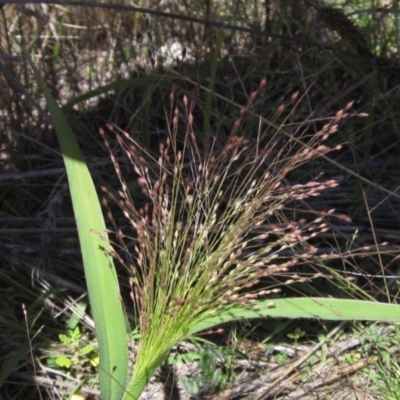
(212, 227)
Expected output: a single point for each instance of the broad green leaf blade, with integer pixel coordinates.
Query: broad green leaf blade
(321, 308)
(101, 278)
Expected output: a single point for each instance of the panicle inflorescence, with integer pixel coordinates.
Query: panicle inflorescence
(213, 226)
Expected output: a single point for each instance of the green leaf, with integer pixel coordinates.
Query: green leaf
(94, 361)
(65, 339)
(320, 308)
(296, 334)
(87, 349)
(75, 317)
(101, 278)
(64, 362)
(75, 334)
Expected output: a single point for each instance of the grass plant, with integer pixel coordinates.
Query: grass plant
(227, 207)
(212, 232)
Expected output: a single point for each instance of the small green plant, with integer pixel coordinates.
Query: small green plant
(296, 334)
(385, 373)
(208, 377)
(283, 357)
(84, 353)
(386, 379)
(352, 357)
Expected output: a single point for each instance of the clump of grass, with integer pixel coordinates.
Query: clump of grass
(213, 228)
